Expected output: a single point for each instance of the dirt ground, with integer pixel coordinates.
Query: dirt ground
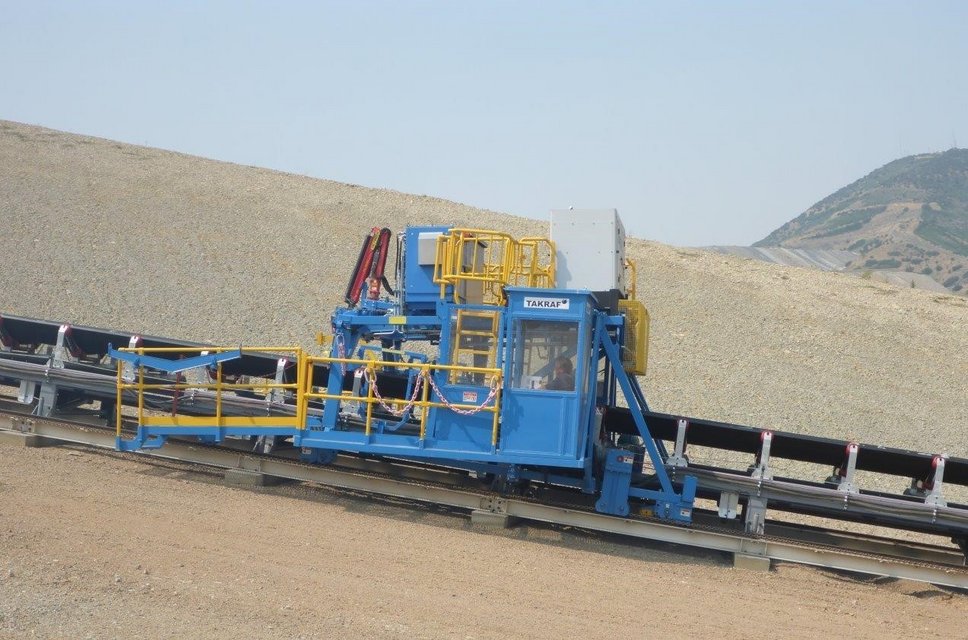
(99, 545)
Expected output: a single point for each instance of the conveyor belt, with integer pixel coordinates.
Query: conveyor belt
(93, 342)
(824, 451)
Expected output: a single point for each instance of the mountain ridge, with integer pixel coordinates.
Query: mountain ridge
(909, 215)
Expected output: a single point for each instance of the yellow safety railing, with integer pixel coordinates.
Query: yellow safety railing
(534, 263)
(219, 386)
(631, 278)
(635, 351)
(419, 399)
(478, 264)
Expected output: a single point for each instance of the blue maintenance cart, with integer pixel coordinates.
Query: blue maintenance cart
(477, 361)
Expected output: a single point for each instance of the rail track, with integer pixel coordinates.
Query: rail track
(829, 549)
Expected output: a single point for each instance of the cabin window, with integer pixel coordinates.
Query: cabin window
(538, 344)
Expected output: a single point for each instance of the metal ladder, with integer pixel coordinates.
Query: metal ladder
(475, 342)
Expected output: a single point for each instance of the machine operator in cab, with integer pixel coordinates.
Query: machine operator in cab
(564, 376)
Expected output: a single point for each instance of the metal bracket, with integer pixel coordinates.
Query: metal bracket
(679, 458)
(60, 354)
(46, 400)
(358, 381)
(845, 475)
(351, 405)
(494, 505)
(755, 512)
(265, 444)
(934, 496)
(931, 489)
(127, 369)
(278, 394)
(21, 425)
(28, 390)
(755, 509)
(6, 342)
(761, 470)
(728, 505)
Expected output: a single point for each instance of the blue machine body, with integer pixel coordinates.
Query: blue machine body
(537, 426)
(541, 430)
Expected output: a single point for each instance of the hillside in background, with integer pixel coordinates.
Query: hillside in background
(910, 215)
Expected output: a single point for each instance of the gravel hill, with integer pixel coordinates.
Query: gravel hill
(109, 234)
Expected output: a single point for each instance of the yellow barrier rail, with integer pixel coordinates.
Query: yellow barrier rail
(420, 399)
(420, 395)
(219, 387)
(478, 264)
(534, 263)
(632, 278)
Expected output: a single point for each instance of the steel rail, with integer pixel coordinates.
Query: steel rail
(770, 547)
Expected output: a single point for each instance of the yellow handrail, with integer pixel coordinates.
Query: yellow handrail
(303, 390)
(492, 260)
(631, 280)
(119, 399)
(219, 387)
(534, 264)
(372, 398)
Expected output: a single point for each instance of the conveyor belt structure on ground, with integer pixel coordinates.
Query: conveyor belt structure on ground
(70, 362)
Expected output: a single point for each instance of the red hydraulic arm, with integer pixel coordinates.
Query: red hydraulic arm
(370, 266)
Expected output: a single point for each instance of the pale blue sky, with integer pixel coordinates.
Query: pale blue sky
(703, 123)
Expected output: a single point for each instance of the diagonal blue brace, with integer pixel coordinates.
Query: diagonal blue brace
(174, 366)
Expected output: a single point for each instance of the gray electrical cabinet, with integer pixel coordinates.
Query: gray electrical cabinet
(590, 245)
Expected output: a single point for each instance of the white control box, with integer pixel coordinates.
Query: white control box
(590, 245)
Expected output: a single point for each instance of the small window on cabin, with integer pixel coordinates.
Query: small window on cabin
(544, 355)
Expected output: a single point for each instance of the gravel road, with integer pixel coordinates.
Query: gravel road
(93, 546)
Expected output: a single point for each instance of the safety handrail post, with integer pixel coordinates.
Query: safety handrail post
(369, 398)
(633, 277)
(297, 387)
(141, 389)
(496, 409)
(120, 396)
(218, 395)
(424, 397)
